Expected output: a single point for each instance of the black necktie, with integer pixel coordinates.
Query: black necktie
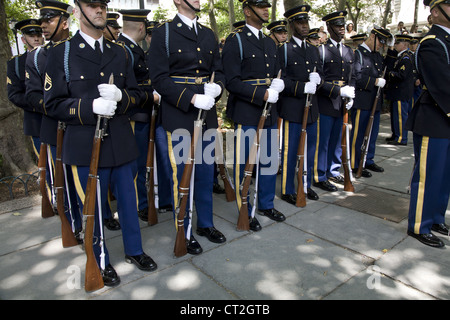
(339, 48)
(303, 48)
(193, 30)
(261, 38)
(98, 52)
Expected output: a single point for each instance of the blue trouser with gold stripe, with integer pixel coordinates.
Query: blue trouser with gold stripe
(141, 133)
(327, 160)
(400, 111)
(268, 165)
(430, 187)
(360, 119)
(178, 149)
(121, 180)
(291, 137)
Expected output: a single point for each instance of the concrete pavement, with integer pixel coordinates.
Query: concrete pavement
(326, 250)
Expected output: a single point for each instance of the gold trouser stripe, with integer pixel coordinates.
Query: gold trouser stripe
(36, 151)
(316, 154)
(132, 123)
(76, 180)
(355, 136)
(136, 190)
(421, 189)
(237, 179)
(285, 156)
(400, 127)
(173, 164)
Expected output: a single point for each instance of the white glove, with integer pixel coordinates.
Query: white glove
(212, 89)
(273, 95)
(314, 77)
(347, 92)
(157, 99)
(381, 82)
(310, 87)
(104, 107)
(277, 85)
(349, 104)
(109, 92)
(203, 101)
(390, 42)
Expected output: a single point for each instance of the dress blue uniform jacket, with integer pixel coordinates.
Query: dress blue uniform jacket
(401, 79)
(35, 69)
(69, 98)
(295, 74)
(15, 81)
(183, 54)
(431, 113)
(246, 101)
(368, 67)
(335, 68)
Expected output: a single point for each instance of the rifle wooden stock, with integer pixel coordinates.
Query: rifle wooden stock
(243, 221)
(150, 182)
(220, 161)
(46, 205)
(93, 278)
(348, 185)
(180, 248)
(301, 197)
(68, 238)
(365, 143)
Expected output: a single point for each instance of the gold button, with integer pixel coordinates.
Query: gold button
(179, 50)
(81, 77)
(198, 49)
(197, 71)
(200, 61)
(102, 74)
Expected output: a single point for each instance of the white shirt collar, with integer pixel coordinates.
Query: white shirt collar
(129, 38)
(91, 41)
(299, 41)
(364, 45)
(445, 28)
(334, 42)
(398, 55)
(254, 30)
(189, 22)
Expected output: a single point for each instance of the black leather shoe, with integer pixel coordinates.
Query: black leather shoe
(165, 208)
(442, 228)
(364, 173)
(312, 195)
(142, 261)
(337, 179)
(289, 198)
(325, 185)
(143, 214)
(396, 143)
(111, 224)
(217, 188)
(374, 167)
(391, 138)
(254, 224)
(110, 277)
(212, 234)
(427, 238)
(193, 247)
(273, 214)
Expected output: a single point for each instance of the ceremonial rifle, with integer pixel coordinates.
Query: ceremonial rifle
(93, 278)
(180, 248)
(46, 205)
(68, 238)
(243, 222)
(365, 144)
(348, 186)
(301, 174)
(149, 179)
(220, 160)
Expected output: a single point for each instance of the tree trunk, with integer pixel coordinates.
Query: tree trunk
(232, 16)
(212, 17)
(15, 149)
(274, 11)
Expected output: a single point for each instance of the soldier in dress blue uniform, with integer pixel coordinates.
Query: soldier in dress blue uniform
(313, 37)
(415, 39)
(429, 121)
(298, 59)
(54, 17)
(182, 57)
(15, 80)
(336, 58)
(278, 31)
(112, 29)
(358, 39)
(134, 31)
(77, 92)
(401, 88)
(369, 66)
(250, 62)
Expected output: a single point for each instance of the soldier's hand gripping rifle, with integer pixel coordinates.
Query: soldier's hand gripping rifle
(68, 238)
(365, 144)
(46, 205)
(348, 185)
(93, 278)
(301, 174)
(180, 248)
(150, 182)
(243, 222)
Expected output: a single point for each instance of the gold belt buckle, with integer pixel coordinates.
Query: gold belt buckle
(268, 81)
(198, 80)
